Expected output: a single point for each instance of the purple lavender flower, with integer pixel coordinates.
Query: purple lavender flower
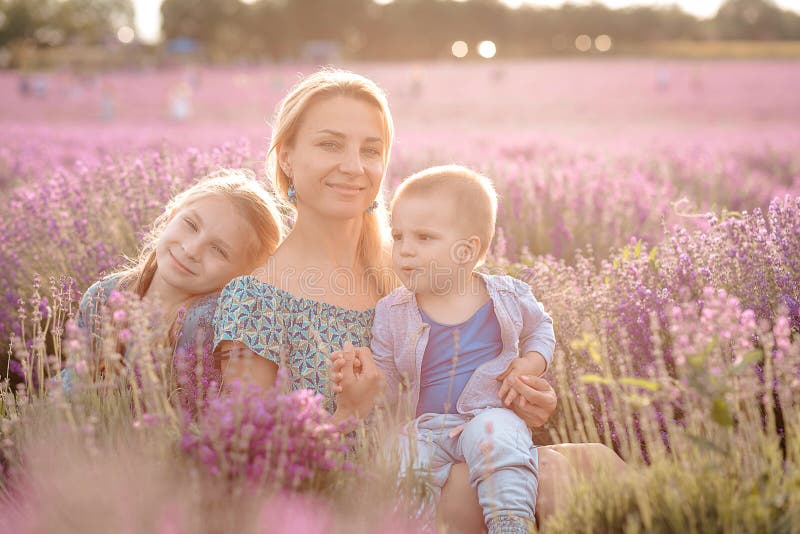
(281, 439)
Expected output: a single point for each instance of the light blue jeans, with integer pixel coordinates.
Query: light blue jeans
(497, 447)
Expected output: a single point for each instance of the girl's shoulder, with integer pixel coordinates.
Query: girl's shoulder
(104, 286)
(197, 323)
(95, 297)
(201, 312)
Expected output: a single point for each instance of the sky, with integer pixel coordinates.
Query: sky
(148, 14)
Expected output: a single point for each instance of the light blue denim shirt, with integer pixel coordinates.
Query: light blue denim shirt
(194, 343)
(399, 338)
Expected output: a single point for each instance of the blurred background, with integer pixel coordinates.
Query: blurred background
(89, 34)
(85, 79)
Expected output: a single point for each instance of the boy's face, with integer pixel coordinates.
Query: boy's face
(431, 249)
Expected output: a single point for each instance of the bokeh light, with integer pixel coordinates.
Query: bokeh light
(459, 49)
(583, 43)
(125, 34)
(487, 49)
(602, 43)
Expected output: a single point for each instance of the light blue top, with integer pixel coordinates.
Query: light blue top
(92, 302)
(471, 343)
(400, 337)
(193, 346)
(296, 333)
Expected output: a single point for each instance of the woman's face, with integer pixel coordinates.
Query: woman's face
(336, 158)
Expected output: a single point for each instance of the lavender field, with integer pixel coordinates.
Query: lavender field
(653, 206)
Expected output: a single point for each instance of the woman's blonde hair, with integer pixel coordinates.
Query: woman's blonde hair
(374, 242)
(251, 200)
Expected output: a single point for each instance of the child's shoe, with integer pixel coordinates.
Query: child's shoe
(510, 524)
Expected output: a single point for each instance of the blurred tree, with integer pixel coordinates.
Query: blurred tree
(754, 20)
(57, 22)
(272, 27)
(404, 29)
(657, 24)
(208, 22)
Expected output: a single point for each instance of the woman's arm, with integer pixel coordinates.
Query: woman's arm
(240, 363)
(237, 362)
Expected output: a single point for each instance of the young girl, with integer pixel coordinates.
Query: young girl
(444, 338)
(223, 226)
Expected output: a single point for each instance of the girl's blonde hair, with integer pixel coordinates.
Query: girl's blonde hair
(251, 201)
(374, 242)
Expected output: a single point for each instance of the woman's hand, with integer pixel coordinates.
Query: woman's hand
(536, 401)
(531, 363)
(357, 380)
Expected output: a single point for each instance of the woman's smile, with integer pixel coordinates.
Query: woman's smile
(344, 189)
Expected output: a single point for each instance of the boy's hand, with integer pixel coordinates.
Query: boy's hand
(531, 363)
(340, 359)
(358, 384)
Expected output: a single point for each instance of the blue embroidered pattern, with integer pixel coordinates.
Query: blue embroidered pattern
(277, 325)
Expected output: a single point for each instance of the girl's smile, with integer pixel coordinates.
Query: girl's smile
(180, 266)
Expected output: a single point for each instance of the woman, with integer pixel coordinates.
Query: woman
(328, 156)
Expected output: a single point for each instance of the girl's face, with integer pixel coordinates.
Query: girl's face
(203, 247)
(336, 158)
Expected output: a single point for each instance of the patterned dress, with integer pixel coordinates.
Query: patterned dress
(296, 333)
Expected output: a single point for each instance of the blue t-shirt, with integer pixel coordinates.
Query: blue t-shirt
(475, 341)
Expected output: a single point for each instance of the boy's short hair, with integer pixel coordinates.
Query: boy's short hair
(473, 193)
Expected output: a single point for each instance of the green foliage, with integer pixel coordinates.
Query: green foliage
(411, 29)
(55, 22)
(703, 493)
(755, 20)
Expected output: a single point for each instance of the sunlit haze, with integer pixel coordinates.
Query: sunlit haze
(148, 12)
(148, 20)
(698, 8)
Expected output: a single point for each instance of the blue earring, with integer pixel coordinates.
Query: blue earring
(292, 194)
(372, 207)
